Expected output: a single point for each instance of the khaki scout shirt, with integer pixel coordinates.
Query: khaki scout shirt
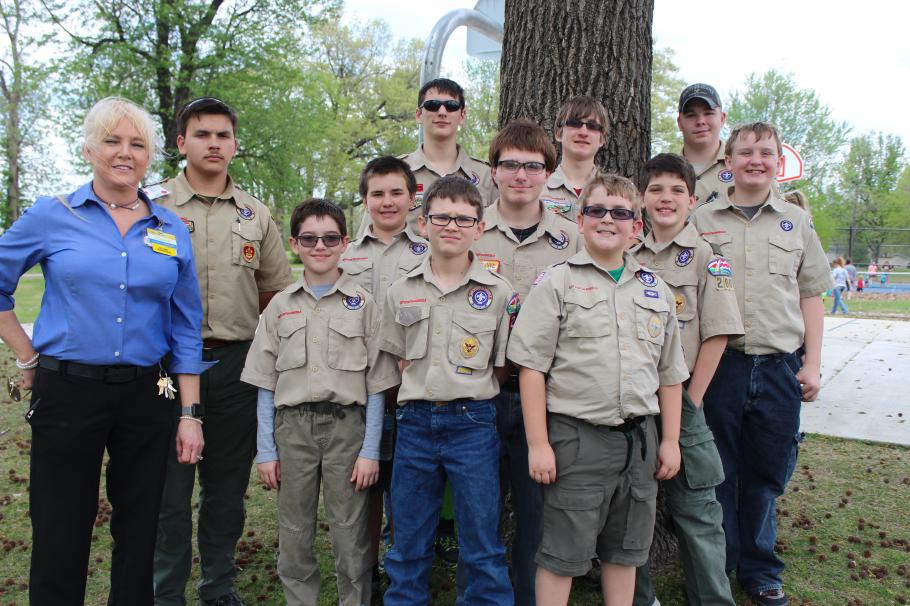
(320, 350)
(606, 347)
(559, 197)
(776, 260)
(375, 266)
(705, 305)
(713, 180)
(239, 254)
(474, 170)
(555, 240)
(454, 338)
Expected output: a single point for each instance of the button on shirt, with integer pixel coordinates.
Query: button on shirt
(555, 240)
(375, 265)
(239, 253)
(776, 259)
(452, 338)
(705, 304)
(320, 350)
(605, 347)
(559, 197)
(108, 299)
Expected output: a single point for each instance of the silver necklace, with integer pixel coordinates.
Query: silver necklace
(132, 206)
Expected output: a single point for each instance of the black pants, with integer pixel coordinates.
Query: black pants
(74, 421)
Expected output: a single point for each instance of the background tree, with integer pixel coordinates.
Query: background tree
(481, 84)
(602, 49)
(666, 85)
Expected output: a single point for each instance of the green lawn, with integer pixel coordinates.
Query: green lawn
(844, 529)
(874, 304)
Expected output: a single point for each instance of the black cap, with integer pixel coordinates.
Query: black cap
(705, 92)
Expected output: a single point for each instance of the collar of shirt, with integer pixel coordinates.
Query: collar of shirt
(476, 273)
(631, 265)
(407, 232)
(344, 284)
(418, 160)
(774, 200)
(686, 238)
(558, 179)
(86, 193)
(549, 223)
(718, 157)
(183, 191)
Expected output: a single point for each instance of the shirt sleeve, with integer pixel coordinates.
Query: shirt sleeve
(266, 450)
(373, 430)
(718, 309)
(383, 372)
(391, 333)
(533, 340)
(814, 275)
(671, 368)
(185, 339)
(274, 271)
(22, 247)
(259, 369)
(503, 327)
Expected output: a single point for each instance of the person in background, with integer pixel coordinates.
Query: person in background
(841, 284)
(852, 274)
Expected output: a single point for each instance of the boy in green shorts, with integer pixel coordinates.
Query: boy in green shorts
(320, 374)
(707, 314)
(599, 350)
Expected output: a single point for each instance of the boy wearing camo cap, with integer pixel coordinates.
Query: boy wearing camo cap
(701, 119)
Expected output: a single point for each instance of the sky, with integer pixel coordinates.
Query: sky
(857, 60)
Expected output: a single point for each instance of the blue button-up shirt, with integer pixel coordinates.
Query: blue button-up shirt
(108, 299)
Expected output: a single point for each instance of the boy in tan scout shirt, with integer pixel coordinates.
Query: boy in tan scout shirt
(317, 364)
(441, 110)
(581, 128)
(600, 356)
(520, 240)
(448, 323)
(753, 404)
(240, 264)
(700, 120)
(707, 314)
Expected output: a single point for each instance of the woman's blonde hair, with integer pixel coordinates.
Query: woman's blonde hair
(104, 116)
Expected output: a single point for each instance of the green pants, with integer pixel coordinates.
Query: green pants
(697, 517)
(224, 473)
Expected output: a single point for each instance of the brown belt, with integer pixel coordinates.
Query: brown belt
(215, 343)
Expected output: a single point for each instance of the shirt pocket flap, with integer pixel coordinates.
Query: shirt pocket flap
(354, 268)
(347, 327)
(412, 314)
(658, 304)
(721, 238)
(475, 324)
(248, 230)
(680, 278)
(785, 241)
(289, 325)
(586, 300)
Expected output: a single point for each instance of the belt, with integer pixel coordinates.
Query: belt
(106, 374)
(324, 408)
(215, 343)
(636, 425)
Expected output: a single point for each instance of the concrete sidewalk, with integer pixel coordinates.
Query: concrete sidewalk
(865, 381)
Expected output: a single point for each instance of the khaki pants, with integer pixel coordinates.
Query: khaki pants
(312, 447)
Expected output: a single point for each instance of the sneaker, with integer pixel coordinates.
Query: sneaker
(228, 599)
(447, 549)
(770, 597)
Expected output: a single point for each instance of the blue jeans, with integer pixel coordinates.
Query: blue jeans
(753, 406)
(455, 440)
(838, 301)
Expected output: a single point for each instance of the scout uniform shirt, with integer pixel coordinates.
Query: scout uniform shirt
(605, 347)
(239, 253)
(776, 259)
(375, 266)
(454, 338)
(320, 350)
(705, 304)
(559, 197)
(712, 179)
(474, 170)
(555, 240)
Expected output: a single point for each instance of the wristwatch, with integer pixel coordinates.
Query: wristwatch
(197, 411)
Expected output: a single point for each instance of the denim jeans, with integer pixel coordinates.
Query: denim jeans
(838, 301)
(455, 440)
(753, 406)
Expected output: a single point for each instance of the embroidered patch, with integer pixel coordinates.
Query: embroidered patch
(684, 257)
(418, 201)
(249, 252)
(723, 283)
(561, 242)
(491, 264)
(189, 224)
(652, 293)
(293, 312)
(463, 370)
(646, 277)
(654, 325)
(539, 278)
(513, 307)
(246, 212)
(469, 347)
(353, 303)
(418, 248)
(725, 175)
(680, 303)
(719, 266)
(556, 205)
(475, 178)
(480, 297)
(786, 225)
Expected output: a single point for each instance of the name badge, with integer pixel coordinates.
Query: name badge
(161, 242)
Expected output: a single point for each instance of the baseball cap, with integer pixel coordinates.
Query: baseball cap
(705, 92)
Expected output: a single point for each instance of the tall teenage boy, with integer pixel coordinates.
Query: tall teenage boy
(701, 118)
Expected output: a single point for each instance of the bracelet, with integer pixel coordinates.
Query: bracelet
(189, 418)
(30, 364)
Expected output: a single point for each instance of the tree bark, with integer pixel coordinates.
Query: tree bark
(11, 90)
(555, 50)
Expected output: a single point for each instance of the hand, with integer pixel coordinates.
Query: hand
(27, 379)
(811, 382)
(668, 460)
(189, 442)
(402, 364)
(269, 474)
(542, 464)
(366, 473)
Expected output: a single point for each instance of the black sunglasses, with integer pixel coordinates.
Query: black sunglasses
(594, 126)
(309, 240)
(433, 105)
(599, 212)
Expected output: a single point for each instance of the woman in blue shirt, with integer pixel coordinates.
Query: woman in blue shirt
(120, 314)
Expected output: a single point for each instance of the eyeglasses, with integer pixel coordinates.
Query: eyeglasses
(594, 126)
(513, 166)
(309, 240)
(599, 212)
(12, 387)
(461, 220)
(433, 105)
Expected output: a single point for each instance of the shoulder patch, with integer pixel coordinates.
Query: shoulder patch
(719, 266)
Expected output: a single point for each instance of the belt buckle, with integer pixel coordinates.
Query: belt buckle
(437, 404)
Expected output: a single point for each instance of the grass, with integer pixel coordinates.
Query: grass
(849, 501)
(874, 304)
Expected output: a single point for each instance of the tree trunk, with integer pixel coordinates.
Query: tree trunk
(552, 51)
(555, 50)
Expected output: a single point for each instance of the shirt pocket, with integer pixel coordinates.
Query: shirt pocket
(651, 316)
(416, 322)
(246, 240)
(291, 343)
(685, 292)
(784, 254)
(586, 315)
(347, 347)
(471, 340)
